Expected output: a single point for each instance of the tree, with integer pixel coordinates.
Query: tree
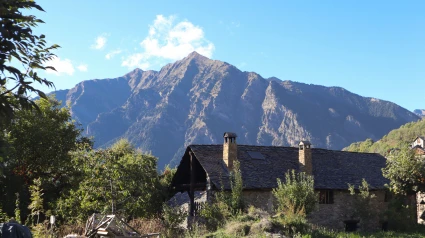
(236, 183)
(405, 171)
(38, 144)
(119, 180)
(41, 140)
(19, 46)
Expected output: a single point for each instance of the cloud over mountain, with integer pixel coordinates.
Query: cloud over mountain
(169, 40)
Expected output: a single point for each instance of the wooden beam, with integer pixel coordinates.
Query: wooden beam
(186, 187)
(192, 185)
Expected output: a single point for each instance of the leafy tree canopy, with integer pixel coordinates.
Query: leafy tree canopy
(118, 180)
(20, 47)
(405, 171)
(40, 141)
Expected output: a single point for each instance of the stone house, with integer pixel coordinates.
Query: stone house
(418, 146)
(206, 168)
(419, 141)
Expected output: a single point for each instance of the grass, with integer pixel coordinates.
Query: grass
(417, 232)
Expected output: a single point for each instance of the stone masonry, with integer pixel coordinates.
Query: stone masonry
(344, 208)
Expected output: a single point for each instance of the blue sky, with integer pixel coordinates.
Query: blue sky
(372, 48)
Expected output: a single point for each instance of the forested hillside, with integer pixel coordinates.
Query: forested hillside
(394, 139)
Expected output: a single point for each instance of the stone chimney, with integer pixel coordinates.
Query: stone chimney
(304, 157)
(230, 149)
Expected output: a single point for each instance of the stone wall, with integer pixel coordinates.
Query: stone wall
(260, 199)
(332, 215)
(420, 208)
(344, 208)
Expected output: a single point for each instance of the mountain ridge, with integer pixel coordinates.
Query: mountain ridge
(196, 99)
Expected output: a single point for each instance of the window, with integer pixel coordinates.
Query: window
(255, 155)
(326, 197)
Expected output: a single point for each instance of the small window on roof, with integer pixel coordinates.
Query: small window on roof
(256, 155)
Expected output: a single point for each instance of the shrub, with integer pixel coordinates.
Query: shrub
(173, 218)
(42, 230)
(291, 222)
(401, 217)
(295, 199)
(295, 194)
(216, 213)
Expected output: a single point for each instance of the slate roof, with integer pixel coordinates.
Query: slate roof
(331, 169)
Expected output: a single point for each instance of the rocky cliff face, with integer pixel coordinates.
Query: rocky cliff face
(196, 99)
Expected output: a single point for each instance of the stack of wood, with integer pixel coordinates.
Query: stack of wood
(111, 226)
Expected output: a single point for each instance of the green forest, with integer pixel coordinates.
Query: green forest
(395, 139)
(49, 168)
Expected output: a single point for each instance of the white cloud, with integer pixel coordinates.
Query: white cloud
(111, 54)
(100, 42)
(62, 66)
(169, 40)
(82, 67)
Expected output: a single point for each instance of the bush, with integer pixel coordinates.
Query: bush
(41, 230)
(291, 223)
(216, 214)
(295, 199)
(362, 205)
(295, 194)
(173, 218)
(401, 217)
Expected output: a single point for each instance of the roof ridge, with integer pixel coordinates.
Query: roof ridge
(291, 147)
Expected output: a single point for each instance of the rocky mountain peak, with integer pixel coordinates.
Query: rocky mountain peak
(196, 99)
(195, 55)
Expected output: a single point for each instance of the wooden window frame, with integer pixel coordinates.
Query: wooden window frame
(326, 196)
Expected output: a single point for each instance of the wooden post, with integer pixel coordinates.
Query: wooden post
(192, 185)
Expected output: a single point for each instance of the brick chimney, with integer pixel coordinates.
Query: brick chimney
(230, 149)
(304, 157)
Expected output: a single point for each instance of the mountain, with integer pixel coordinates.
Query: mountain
(396, 138)
(420, 112)
(196, 99)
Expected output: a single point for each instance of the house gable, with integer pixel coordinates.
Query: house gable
(183, 177)
(419, 142)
